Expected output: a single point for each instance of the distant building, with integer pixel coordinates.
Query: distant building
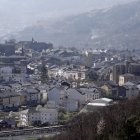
(34, 45)
(10, 99)
(23, 118)
(74, 74)
(123, 68)
(11, 59)
(72, 99)
(7, 49)
(131, 90)
(32, 96)
(128, 77)
(110, 88)
(6, 69)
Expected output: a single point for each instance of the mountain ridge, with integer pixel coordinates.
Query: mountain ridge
(115, 27)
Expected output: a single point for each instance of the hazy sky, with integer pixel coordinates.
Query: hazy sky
(18, 13)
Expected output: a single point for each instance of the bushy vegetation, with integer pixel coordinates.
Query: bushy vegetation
(64, 116)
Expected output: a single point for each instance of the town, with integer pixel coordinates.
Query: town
(41, 85)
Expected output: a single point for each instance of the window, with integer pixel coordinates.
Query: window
(79, 75)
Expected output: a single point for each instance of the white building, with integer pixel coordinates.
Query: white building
(44, 115)
(98, 104)
(72, 99)
(128, 78)
(72, 105)
(23, 118)
(75, 74)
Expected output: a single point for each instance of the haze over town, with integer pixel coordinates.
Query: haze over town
(69, 69)
(18, 14)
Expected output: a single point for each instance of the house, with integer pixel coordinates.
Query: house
(10, 99)
(72, 99)
(32, 96)
(68, 73)
(43, 115)
(17, 78)
(6, 70)
(91, 93)
(7, 123)
(58, 95)
(75, 74)
(51, 104)
(4, 88)
(72, 105)
(15, 86)
(131, 90)
(53, 72)
(25, 84)
(128, 77)
(125, 67)
(62, 95)
(43, 89)
(23, 118)
(76, 95)
(110, 88)
(83, 95)
(6, 77)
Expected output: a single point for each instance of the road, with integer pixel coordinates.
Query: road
(26, 137)
(25, 134)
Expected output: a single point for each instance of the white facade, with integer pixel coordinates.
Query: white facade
(49, 115)
(44, 115)
(50, 104)
(23, 118)
(75, 95)
(57, 95)
(73, 74)
(72, 99)
(34, 116)
(127, 77)
(72, 106)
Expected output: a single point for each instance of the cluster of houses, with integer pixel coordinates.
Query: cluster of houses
(43, 107)
(14, 96)
(68, 72)
(125, 91)
(71, 83)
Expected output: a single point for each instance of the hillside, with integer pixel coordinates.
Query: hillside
(115, 27)
(117, 122)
